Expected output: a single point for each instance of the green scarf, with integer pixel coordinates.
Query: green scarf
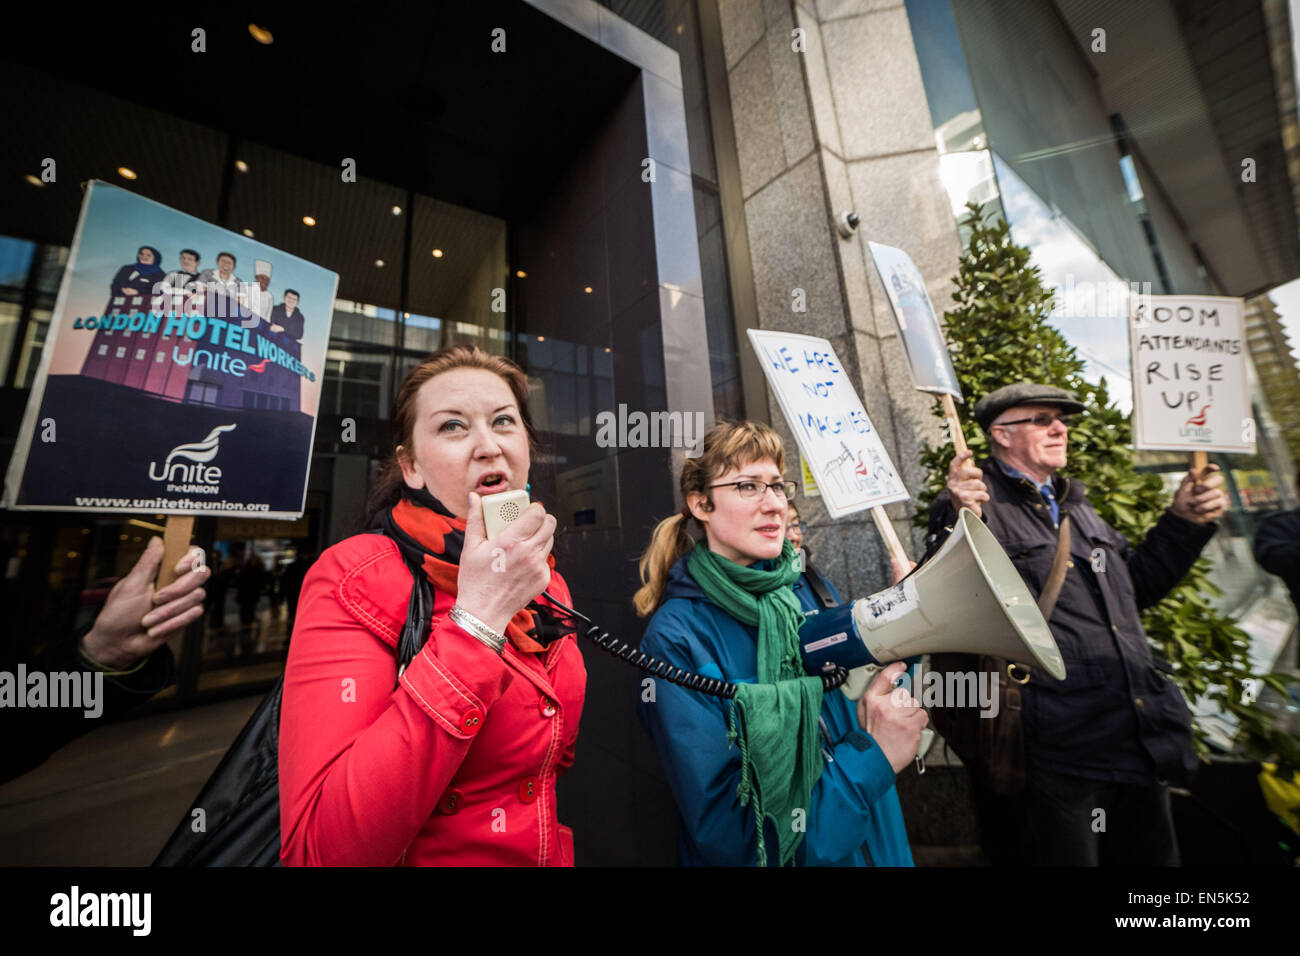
(775, 720)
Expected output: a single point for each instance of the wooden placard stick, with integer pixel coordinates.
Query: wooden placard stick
(176, 540)
(892, 544)
(1200, 462)
(954, 424)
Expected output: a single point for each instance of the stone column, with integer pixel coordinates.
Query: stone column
(831, 116)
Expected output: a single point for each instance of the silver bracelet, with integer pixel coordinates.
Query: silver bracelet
(469, 623)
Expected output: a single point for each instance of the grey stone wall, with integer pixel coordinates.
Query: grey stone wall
(841, 125)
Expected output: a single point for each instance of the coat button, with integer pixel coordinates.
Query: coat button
(546, 706)
(451, 802)
(471, 721)
(528, 789)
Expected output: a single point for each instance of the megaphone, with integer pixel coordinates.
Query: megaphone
(967, 599)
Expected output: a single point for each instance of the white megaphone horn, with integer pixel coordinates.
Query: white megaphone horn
(967, 599)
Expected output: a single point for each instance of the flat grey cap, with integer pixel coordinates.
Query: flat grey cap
(988, 408)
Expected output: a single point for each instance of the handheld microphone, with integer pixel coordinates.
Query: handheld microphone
(501, 510)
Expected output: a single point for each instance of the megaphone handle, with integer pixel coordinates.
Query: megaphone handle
(927, 738)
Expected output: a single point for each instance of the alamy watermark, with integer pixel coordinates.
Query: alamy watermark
(78, 690)
(636, 429)
(1088, 299)
(76, 908)
(950, 689)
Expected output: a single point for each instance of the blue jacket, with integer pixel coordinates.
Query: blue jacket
(854, 819)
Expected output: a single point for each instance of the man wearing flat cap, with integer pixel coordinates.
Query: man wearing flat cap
(1116, 733)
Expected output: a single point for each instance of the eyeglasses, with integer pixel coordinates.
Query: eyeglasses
(1042, 420)
(750, 490)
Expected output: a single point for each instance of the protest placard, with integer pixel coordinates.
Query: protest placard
(918, 326)
(1190, 391)
(169, 384)
(841, 446)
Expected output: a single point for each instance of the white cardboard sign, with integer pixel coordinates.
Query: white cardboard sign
(918, 326)
(1190, 391)
(841, 446)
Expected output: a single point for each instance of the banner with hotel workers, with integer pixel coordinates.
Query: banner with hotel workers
(181, 372)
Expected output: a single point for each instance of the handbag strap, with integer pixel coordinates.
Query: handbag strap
(419, 611)
(1060, 565)
(819, 586)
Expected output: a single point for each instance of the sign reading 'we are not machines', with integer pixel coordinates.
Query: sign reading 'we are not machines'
(842, 448)
(168, 383)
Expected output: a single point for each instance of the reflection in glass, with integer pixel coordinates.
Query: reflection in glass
(355, 383)
(360, 322)
(33, 345)
(1092, 300)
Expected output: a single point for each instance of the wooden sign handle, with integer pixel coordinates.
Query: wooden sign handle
(176, 540)
(1200, 462)
(954, 424)
(886, 529)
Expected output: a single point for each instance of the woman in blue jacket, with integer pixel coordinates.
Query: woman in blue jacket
(818, 770)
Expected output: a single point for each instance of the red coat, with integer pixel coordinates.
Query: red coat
(456, 766)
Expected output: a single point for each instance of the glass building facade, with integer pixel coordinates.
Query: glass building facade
(610, 194)
(1096, 219)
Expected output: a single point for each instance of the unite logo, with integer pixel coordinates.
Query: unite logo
(1196, 429)
(198, 477)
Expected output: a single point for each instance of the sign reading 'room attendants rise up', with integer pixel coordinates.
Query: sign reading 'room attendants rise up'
(1190, 391)
(181, 373)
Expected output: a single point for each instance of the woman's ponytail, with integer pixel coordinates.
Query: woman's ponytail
(669, 542)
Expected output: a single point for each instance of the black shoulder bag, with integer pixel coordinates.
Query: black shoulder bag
(235, 819)
(995, 747)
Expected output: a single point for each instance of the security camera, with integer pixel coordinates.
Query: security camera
(847, 223)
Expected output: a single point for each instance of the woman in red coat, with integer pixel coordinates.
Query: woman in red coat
(452, 762)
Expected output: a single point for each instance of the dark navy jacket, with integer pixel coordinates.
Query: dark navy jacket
(1117, 716)
(854, 818)
(1277, 549)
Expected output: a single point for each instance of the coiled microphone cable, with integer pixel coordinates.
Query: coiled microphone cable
(674, 675)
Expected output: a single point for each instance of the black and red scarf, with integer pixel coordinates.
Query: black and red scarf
(430, 539)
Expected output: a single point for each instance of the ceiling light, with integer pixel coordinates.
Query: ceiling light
(126, 173)
(397, 210)
(261, 36)
(34, 180)
(241, 165)
(437, 253)
(379, 263)
(587, 290)
(522, 274)
(308, 221)
(541, 338)
(248, 233)
(606, 348)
